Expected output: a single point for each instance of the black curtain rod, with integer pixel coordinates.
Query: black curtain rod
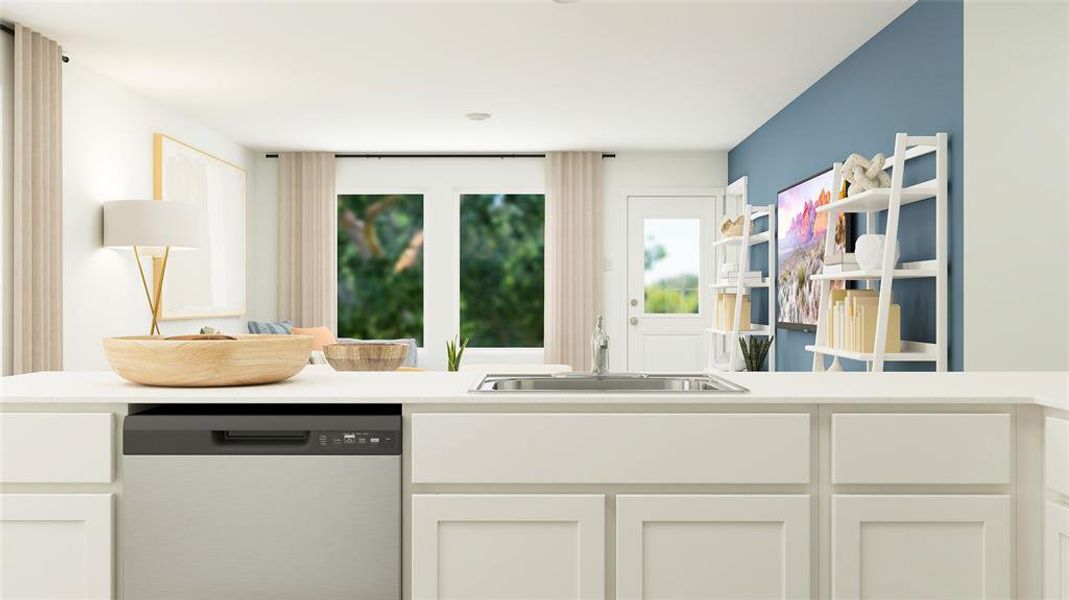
(9, 29)
(530, 155)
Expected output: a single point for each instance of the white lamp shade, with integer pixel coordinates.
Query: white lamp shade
(152, 223)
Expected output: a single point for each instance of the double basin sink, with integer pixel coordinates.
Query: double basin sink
(610, 383)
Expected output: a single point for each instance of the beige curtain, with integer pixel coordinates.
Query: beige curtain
(307, 239)
(574, 256)
(37, 216)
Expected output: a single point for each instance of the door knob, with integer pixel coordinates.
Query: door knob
(634, 320)
(634, 302)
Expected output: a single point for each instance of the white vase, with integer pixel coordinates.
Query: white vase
(868, 250)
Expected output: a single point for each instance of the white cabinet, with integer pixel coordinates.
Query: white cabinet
(556, 448)
(508, 546)
(1056, 462)
(1056, 553)
(56, 546)
(921, 448)
(56, 447)
(709, 547)
(904, 547)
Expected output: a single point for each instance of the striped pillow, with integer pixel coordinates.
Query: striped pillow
(280, 327)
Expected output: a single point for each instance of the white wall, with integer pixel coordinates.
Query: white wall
(262, 300)
(1016, 180)
(632, 172)
(7, 109)
(107, 155)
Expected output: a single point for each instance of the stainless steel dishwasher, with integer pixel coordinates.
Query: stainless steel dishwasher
(243, 502)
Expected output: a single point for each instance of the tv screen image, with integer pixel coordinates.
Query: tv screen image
(800, 232)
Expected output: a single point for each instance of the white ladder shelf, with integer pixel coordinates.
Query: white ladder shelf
(891, 199)
(725, 342)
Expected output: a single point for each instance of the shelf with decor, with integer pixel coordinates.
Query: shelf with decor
(878, 199)
(761, 283)
(755, 329)
(864, 324)
(734, 280)
(911, 352)
(752, 240)
(909, 270)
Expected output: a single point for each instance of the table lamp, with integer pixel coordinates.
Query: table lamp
(152, 228)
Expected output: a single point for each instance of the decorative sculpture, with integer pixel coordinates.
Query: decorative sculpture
(731, 227)
(863, 174)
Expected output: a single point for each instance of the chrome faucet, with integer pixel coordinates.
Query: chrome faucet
(599, 348)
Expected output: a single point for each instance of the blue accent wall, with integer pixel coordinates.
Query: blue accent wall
(908, 77)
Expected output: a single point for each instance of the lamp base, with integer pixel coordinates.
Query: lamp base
(154, 298)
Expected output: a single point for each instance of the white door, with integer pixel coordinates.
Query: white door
(56, 546)
(508, 547)
(712, 547)
(1056, 553)
(669, 267)
(904, 547)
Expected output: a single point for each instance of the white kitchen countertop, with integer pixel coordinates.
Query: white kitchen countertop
(322, 384)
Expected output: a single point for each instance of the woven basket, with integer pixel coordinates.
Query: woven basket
(731, 227)
(366, 357)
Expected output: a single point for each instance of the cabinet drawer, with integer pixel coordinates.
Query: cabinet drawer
(56, 447)
(610, 448)
(1056, 464)
(921, 448)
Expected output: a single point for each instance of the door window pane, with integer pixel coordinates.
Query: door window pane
(380, 266)
(502, 271)
(672, 261)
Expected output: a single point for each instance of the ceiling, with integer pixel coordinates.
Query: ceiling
(399, 76)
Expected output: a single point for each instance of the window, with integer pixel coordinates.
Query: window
(380, 266)
(502, 272)
(673, 248)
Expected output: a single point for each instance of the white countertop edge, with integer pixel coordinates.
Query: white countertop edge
(320, 384)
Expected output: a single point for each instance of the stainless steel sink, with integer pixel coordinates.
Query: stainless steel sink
(625, 383)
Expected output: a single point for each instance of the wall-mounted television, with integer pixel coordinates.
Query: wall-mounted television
(800, 232)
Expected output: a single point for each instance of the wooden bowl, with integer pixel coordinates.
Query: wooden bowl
(383, 356)
(244, 360)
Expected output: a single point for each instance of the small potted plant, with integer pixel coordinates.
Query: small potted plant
(454, 353)
(755, 351)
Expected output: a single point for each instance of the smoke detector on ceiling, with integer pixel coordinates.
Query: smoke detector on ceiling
(478, 116)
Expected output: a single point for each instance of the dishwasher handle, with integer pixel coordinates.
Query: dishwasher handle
(261, 436)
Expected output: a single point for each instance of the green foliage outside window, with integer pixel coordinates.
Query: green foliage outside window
(502, 273)
(380, 266)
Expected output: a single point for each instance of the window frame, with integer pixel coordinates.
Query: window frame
(486, 355)
(423, 192)
(441, 267)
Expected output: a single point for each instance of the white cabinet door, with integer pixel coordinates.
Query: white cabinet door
(1056, 445)
(505, 547)
(902, 547)
(1056, 553)
(56, 546)
(710, 547)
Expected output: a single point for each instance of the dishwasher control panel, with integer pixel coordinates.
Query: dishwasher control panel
(241, 429)
(356, 441)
